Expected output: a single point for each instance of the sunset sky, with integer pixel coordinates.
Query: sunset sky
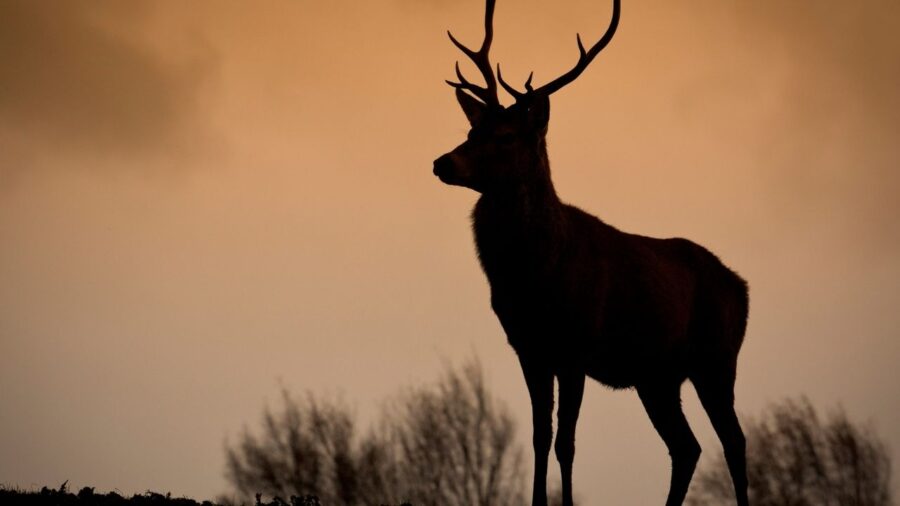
(203, 201)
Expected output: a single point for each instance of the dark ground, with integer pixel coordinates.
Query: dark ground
(86, 496)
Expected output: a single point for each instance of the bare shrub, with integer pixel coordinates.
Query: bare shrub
(795, 458)
(449, 444)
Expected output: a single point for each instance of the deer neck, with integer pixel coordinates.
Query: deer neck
(530, 205)
(525, 222)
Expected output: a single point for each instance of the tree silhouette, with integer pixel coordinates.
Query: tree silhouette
(449, 443)
(794, 458)
(456, 445)
(305, 448)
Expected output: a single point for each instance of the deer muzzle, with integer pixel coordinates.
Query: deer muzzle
(444, 168)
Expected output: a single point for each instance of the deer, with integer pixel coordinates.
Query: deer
(578, 298)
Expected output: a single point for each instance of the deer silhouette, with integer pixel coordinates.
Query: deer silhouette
(579, 298)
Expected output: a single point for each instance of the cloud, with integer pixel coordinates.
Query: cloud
(841, 101)
(851, 44)
(79, 77)
(817, 83)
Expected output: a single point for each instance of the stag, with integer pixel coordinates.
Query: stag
(579, 298)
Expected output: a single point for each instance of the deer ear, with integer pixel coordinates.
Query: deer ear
(539, 112)
(473, 108)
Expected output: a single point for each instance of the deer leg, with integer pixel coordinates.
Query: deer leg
(539, 380)
(571, 390)
(717, 397)
(663, 405)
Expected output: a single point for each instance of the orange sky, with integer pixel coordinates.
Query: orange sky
(199, 200)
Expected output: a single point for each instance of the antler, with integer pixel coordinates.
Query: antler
(488, 94)
(584, 59)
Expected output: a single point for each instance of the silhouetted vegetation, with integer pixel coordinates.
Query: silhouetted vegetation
(795, 458)
(86, 496)
(446, 444)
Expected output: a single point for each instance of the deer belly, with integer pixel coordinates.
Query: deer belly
(623, 358)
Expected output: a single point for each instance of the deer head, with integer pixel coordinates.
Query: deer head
(506, 145)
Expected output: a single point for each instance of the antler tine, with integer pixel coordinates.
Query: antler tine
(483, 93)
(487, 94)
(512, 91)
(584, 57)
(509, 89)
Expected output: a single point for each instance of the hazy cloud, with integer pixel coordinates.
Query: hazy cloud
(842, 98)
(79, 77)
(823, 76)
